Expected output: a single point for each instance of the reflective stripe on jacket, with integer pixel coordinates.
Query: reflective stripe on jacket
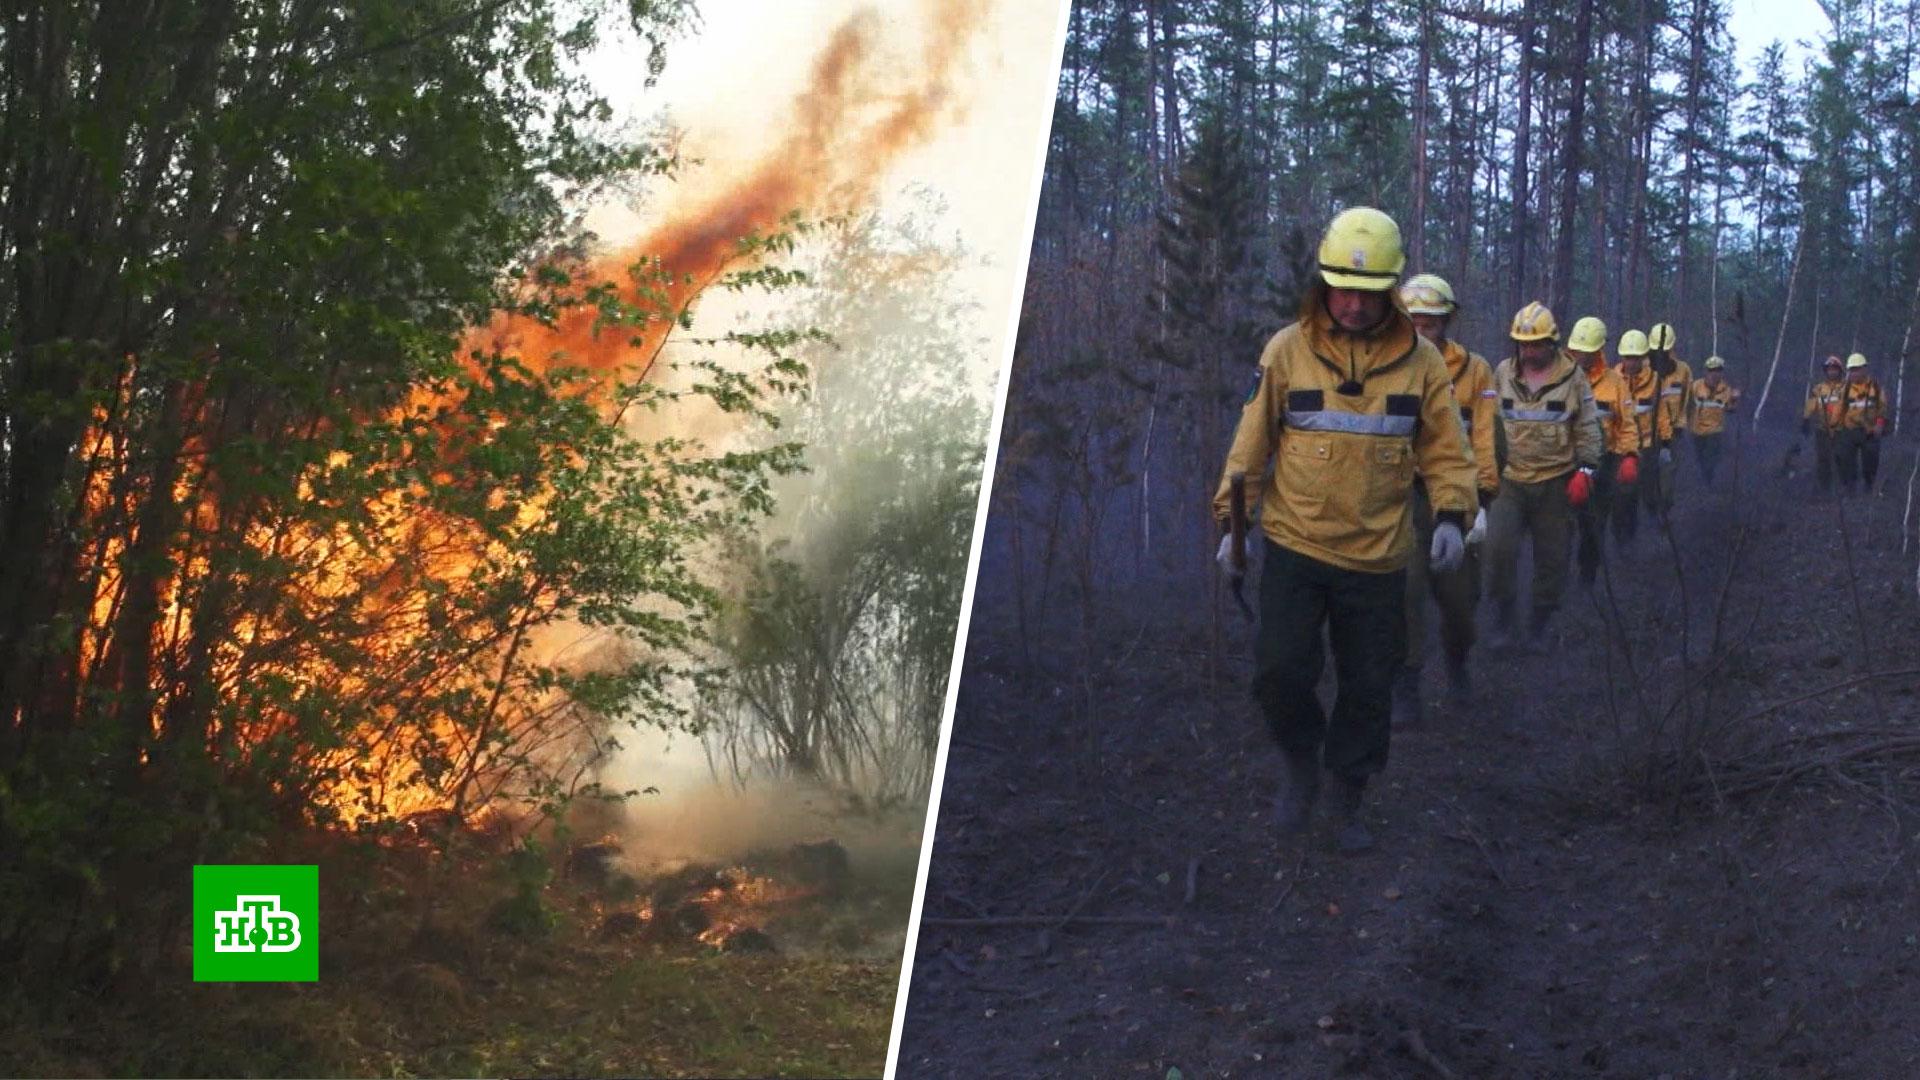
(1552, 431)
(1649, 422)
(1710, 407)
(1610, 397)
(1479, 410)
(1865, 405)
(1343, 421)
(1676, 394)
(1827, 400)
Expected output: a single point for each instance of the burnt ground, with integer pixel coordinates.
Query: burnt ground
(1565, 884)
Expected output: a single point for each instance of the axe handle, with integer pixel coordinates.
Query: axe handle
(1237, 521)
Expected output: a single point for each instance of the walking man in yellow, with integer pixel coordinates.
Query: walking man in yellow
(1352, 403)
(1857, 443)
(1619, 437)
(1654, 427)
(1714, 398)
(1676, 398)
(1553, 448)
(1824, 415)
(1430, 302)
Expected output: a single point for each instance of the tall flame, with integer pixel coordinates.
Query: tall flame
(845, 131)
(843, 134)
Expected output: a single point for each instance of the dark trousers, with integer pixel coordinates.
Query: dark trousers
(1593, 517)
(1823, 457)
(1456, 594)
(1364, 617)
(1659, 494)
(1857, 453)
(1626, 508)
(1707, 450)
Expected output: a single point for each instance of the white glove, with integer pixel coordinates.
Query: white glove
(1224, 556)
(1449, 549)
(1479, 530)
(1666, 456)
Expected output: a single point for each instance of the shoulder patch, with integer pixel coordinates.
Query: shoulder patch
(1253, 391)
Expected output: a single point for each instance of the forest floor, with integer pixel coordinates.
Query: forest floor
(1565, 884)
(468, 998)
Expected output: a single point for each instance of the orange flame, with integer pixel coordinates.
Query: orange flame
(845, 131)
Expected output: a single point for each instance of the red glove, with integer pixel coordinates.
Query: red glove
(1579, 486)
(1628, 471)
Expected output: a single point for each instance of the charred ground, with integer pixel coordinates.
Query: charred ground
(1574, 878)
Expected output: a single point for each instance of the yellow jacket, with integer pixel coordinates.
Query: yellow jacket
(1479, 411)
(1649, 422)
(1618, 432)
(1551, 432)
(1676, 394)
(1866, 406)
(1344, 420)
(1710, 407)
(1827, 400)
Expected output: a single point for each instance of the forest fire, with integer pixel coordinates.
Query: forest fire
(737, 907)
(845, 131)
(417, 546)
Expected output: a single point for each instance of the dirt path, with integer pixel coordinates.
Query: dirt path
(1532, 910)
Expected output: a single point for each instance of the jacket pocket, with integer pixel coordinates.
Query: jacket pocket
(1304, 474)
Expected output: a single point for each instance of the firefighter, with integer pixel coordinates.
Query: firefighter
(1653, 429)
(1676, 399)
(1619, 436)
(1654, 425)
(1430, 302)
(1857, 443)
(1823, 417)
(1714, 399)
(1351, 403)
(1553, 447)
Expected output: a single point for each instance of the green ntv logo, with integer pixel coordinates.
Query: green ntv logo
(256, 924)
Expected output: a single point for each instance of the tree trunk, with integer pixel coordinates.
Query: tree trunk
(1522, 138)
(1421, 88)
(1570, 163)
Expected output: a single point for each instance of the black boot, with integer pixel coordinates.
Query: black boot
(1293, 808)
(1406, 697)
(1354, 836)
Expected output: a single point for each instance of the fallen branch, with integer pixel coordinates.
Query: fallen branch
(1293, 879)
(1417, 1047)
(1753, 778)
(1827, 689)
(1473, 836)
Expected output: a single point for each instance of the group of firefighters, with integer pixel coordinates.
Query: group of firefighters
(1392, 454)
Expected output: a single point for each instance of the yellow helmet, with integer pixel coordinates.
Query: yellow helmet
(1857, 360)
(1661, 337)
(1714, 363)
(1632, 343)
(1361, 250)
(1534, 323)
(1589, 335)
(1428, 294)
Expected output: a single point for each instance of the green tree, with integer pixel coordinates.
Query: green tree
(838, 635)
(288, 539)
